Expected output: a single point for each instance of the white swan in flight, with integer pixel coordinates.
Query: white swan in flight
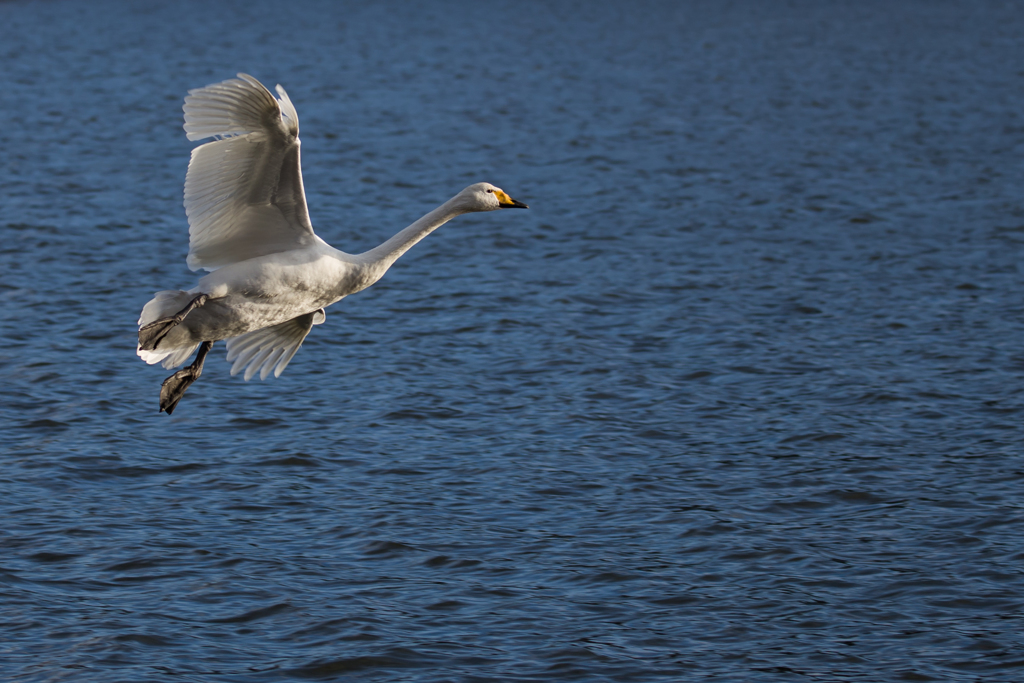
(271, 276)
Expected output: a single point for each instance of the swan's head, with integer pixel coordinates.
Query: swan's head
(486, 197)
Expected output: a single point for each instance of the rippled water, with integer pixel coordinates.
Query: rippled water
(739, 398)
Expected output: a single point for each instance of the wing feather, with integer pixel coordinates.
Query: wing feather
(271, 348)
(243, 192)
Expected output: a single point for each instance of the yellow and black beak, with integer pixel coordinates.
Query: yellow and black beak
(506, 202)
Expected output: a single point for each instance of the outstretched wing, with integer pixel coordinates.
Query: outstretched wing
(243, 191)
(271, 346)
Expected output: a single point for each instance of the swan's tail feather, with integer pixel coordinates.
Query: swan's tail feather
(165, 304)
(169, 358)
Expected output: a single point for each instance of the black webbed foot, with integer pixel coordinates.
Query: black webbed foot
(174, 386)
(152, 334)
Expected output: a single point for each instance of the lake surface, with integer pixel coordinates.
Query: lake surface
(739, 398)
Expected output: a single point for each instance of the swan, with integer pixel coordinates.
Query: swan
(269, 276)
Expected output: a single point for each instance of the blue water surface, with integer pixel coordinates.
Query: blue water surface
(739, 398)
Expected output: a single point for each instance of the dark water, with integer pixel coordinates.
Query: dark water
(738, 399)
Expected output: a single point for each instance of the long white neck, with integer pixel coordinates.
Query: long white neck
(380, 258)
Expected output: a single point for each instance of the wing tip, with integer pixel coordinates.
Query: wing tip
(269, 349)
(231, 107)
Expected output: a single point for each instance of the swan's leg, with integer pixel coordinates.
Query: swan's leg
(152, 334)
(174, 386)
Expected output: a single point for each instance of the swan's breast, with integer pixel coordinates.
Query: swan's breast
(305, 276)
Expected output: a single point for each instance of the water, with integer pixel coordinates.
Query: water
(739, 398)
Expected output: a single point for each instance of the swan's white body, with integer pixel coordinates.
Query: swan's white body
(271, 276)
